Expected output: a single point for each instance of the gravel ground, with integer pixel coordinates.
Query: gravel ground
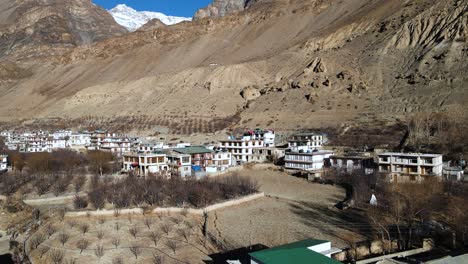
(294, 209)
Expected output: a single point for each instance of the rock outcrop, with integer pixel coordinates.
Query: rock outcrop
(220, 8)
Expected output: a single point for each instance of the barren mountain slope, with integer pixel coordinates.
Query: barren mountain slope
(284, 64)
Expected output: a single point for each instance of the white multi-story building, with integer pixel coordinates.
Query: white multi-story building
(3, 162)
(241, 149)
(306, 160)
(410, 164)
(222, 160)
(80, 140)
(35, 142)
(306, 141)
(62, 134)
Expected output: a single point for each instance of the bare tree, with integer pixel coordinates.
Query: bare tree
(42, 250)
(100, 234)
(155, 237)
(36, 240)
(56, 256)
(185, 233)
(117, 226)
(133, 231)
(148, 222)
(99, 251)
(71, 223)
(50, 229)
(80, 202)
(172, 244)
(61, 213)
(135, 249)
(116, 242)
(82, 244)
(78, 182)
(117, 260)
(84, 227)
(166, 228)
(70, 261)
(157, 259)
(101, 221)
(64, 237)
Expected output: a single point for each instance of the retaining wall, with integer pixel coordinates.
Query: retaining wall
(170, 209)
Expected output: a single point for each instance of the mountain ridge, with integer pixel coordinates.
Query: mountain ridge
(132, 20)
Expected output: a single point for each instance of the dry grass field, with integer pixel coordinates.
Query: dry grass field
(293, 209)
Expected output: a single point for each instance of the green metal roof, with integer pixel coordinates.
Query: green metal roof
(294, 253)
(192, 150)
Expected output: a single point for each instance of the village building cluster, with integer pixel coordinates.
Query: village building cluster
(305, 153)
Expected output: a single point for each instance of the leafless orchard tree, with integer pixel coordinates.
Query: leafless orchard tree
(72, 223)
(64, 237)
(84, 227)
(117, 260)
(116, 242)
(155, 237)
(133, 231)
(166, 228)
(42, 250)
(99, 251)
(185, 233)
(50, 229)
(57, 256)
(100, 234)
(172, 244)
(70, 261)
(117, 226)
(157, 259)
(36, 240)
(135, 249)
(149, 222)
(101, 221)
(82, 244)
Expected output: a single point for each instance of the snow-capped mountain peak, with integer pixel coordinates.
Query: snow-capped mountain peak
(132, 19)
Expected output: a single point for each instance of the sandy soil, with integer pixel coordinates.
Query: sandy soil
(294, 210)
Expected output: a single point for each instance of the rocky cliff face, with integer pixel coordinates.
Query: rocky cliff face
(31, 28)
(220, 8)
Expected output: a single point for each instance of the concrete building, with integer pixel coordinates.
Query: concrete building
(241, 149)
(80, 140)
(201, 156)
(180, 164)
(222, 160)
(3, 162)
(306, 160)
(262, 155)
(350, 162)
(306, 141)
(301, 252)
(453, 173)
(143, 164)
(410, 165)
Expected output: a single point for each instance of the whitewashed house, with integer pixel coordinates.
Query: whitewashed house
(80, 140)
(306, 141)
(222, 160)
(306, 160)
(410, 165)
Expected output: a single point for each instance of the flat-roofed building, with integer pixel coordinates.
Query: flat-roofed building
(179, 163)
(306, 160)
(411, 165)
(143, 164)
(201, 156)
(306, 141)
(350, 162)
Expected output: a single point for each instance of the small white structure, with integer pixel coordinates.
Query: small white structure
(3, 162)
(180, 164)
(453, 173)
(306, 160)
(399, 165)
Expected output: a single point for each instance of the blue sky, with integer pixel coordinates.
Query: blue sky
(184, 8)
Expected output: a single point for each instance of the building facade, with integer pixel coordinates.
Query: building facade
(410, 165)
(3, 162)
(352, 162)
(306, 141)
(306, 161)
(143, 164)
